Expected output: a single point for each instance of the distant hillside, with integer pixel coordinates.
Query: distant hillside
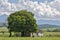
(48, 26)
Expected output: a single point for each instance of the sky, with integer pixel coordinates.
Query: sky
(42, 9)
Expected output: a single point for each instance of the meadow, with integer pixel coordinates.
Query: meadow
(29, 38)
(47, 36)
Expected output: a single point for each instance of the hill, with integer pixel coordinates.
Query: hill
(48, 26)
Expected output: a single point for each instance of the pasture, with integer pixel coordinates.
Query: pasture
(47, 36)
(29, 38)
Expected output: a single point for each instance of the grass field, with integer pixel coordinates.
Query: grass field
(47, 36)
(29, 38)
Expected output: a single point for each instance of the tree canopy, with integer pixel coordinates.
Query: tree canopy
(22, 21)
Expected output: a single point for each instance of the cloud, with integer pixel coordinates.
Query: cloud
(41, 10)
(56, 4)
(1, 13)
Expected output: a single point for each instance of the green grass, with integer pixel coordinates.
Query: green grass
(29, 38)
(47, 36)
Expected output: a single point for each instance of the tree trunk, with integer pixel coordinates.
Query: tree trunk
(10, 33)
(25, 34)
(22, 34)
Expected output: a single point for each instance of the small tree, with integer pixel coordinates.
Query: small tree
(22, 21)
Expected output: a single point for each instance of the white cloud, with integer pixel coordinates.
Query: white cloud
(41, 10)
(1, 13)
(56, 4)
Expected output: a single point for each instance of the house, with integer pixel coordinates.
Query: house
(39, 33)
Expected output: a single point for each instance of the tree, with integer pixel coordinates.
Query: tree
(22, 21)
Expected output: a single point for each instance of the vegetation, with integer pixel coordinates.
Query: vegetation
(29, 38)
(51, 29)
(47, 36)
(22, 21)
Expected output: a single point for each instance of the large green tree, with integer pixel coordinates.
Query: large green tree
(22, 21)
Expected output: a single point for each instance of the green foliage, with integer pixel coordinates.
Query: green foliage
(22, 21)
(54, 30)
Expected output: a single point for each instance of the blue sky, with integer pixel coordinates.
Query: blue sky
(42, 9)
(16, 1)
(13, 1)
(51, 22)
(43, 0)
